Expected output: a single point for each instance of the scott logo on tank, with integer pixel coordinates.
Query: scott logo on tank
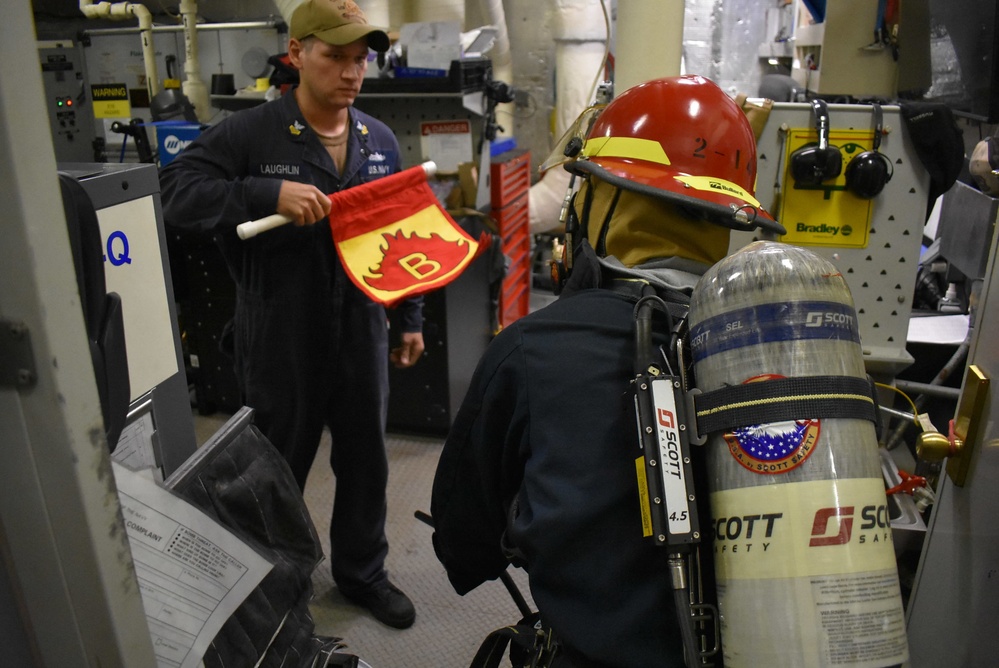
(874, 517)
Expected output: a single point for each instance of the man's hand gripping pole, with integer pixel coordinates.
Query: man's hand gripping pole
(252, 228)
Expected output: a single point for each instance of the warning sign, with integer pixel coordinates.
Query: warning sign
(826, 214)
(110, 100)
(447, 143)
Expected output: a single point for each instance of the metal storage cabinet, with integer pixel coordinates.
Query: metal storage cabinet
(510, 175)
(456, 330)
(206, 298)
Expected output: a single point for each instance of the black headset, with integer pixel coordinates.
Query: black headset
(575, 232)
(811, 165)
(868, 172)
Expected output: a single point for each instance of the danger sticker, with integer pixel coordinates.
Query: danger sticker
(445, 127)
(448, 143)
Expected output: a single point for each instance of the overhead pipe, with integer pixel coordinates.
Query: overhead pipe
(581, 29)
(437, 10)
(193, 86)
(499, 54)
(377, 12)
(286, 7)
(239, 25)
(651, 43)
(125, 10)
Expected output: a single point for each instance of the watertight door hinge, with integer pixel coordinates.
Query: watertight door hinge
(968, 424)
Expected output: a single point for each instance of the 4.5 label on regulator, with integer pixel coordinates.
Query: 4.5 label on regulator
(671, 456)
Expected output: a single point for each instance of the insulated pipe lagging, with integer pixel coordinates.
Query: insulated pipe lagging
(500, 53)
(436, 10)
(581, 33)
(124, 10)
(286, 7)
(377, 12)
(649, 41)
(194, 86)
(501, 60)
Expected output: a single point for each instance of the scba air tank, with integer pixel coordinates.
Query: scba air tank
(804, 559)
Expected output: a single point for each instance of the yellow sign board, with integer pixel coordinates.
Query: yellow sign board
(110, 100)
(826, 214)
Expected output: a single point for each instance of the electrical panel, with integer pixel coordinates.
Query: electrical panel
(67, 100)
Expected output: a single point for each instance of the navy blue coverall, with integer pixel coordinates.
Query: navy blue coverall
(541, 459)
(309, 348)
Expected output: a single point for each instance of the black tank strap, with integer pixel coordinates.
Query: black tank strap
(784, 399)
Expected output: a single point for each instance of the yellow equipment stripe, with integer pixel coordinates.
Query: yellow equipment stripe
(652, 151)
(712, 184)
(643, 497)
(775, 400)
(626, 147)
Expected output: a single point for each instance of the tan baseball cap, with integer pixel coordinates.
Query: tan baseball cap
(336, 22)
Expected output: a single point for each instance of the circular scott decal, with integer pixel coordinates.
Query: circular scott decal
(774, 447)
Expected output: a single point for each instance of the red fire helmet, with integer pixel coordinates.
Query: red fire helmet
(682, 139)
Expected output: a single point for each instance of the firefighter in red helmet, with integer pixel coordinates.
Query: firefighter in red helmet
(540, 465)
(662, 159)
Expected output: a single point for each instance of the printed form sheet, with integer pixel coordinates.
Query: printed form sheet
(192, 572)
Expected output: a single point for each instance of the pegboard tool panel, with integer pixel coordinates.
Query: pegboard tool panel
(880, 257)
(403, 112)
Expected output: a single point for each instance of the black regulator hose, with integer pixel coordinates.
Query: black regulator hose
(681, 600)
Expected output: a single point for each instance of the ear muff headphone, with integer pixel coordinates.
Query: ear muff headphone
(811, 165)
(868, 172)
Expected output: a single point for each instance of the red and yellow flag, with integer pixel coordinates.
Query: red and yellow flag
(396, 241)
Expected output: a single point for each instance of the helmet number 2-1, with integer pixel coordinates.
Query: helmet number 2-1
(702, 144)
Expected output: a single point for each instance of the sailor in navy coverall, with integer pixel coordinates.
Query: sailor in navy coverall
(310, 349)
